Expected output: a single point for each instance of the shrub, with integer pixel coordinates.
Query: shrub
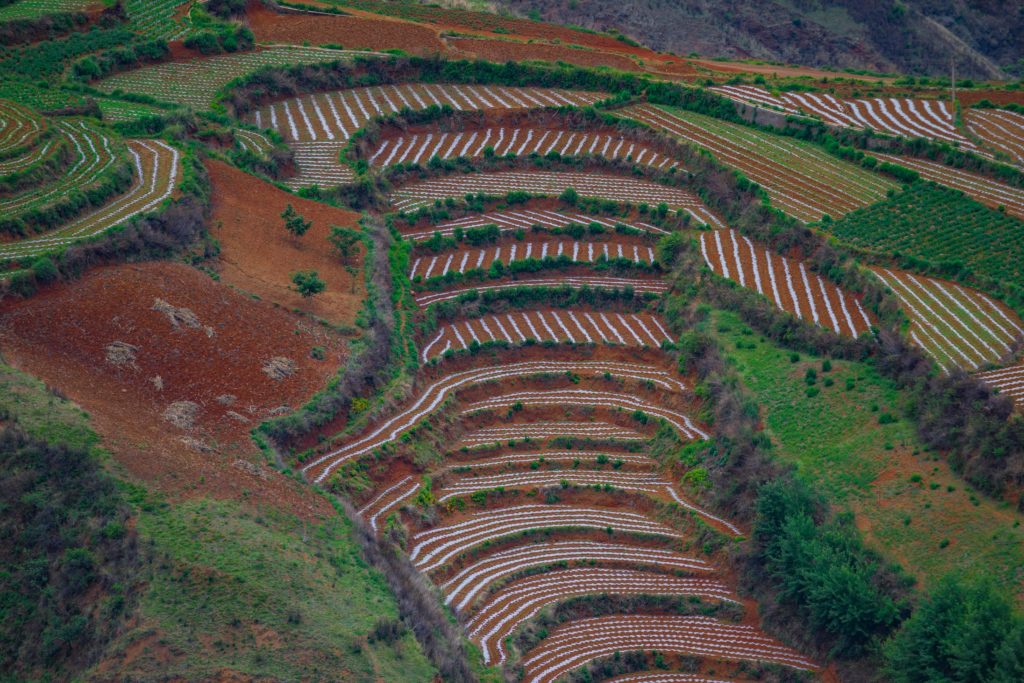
(308, 283)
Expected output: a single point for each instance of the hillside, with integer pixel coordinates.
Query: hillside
(366, 340)
(917, 37)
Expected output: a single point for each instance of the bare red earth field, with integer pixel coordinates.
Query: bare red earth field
(258, 255)
(215, 355)
(348, 31)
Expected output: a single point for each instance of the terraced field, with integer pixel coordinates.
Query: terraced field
(337, 115)
(1009, 381)
(19, 128)
(552, 184)
(29, 9)
(252, 141)
(957, 326)
(801, 179)
(117, 111)
(578, 642)
(527, 219)
(157, 174)
(785, 281)
(904, 117)
(1002, 130)
(558, 409)
(631, 329)
(95, 154)
(989, 192)
(525, 394)
(317, 126)
(416, 149)
(940, 226)
(432, 395)
(157, 18)
(506, 252)
(196, 83)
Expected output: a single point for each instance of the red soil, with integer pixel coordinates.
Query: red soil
(968, 97)
(258, 255)
(349, 31)
(62, 336)
(505, 50)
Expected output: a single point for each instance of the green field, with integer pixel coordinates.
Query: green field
(196, 83)
(30, 9)
(802, 179)
(901, 495)
(941, 226)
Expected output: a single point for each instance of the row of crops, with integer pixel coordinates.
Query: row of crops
(940, 226)
(30, 9)
(196, 83)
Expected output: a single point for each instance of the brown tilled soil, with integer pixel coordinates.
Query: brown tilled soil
(352, 32)
(505, 50)
(170, 365)
(258, 255)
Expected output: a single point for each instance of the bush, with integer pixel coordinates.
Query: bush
(44, 270)
(225, 8)
(963, 632)
(308, 282)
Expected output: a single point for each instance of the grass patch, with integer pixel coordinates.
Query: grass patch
(278, 597)
(851, 441)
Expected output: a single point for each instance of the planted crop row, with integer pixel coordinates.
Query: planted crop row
(559, 281)
(433, 395)
(631, 329)
(785, 281)
(1003, 130)
(195, 83)
(943, 228)
(325, 117)
(157, 173)
(526, 219)
(460, 261)
(957, 326)
(577, 397)
(545, 431)
(604, 186)
(801, 179)
(420, 148)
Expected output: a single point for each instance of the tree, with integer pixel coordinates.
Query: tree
(962, 632)
(346, 243)
(307, 283)
(225, 8)
(570, 196)
(294, 222)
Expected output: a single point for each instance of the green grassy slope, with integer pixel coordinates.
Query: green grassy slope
(225, 586)
(854, 444)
